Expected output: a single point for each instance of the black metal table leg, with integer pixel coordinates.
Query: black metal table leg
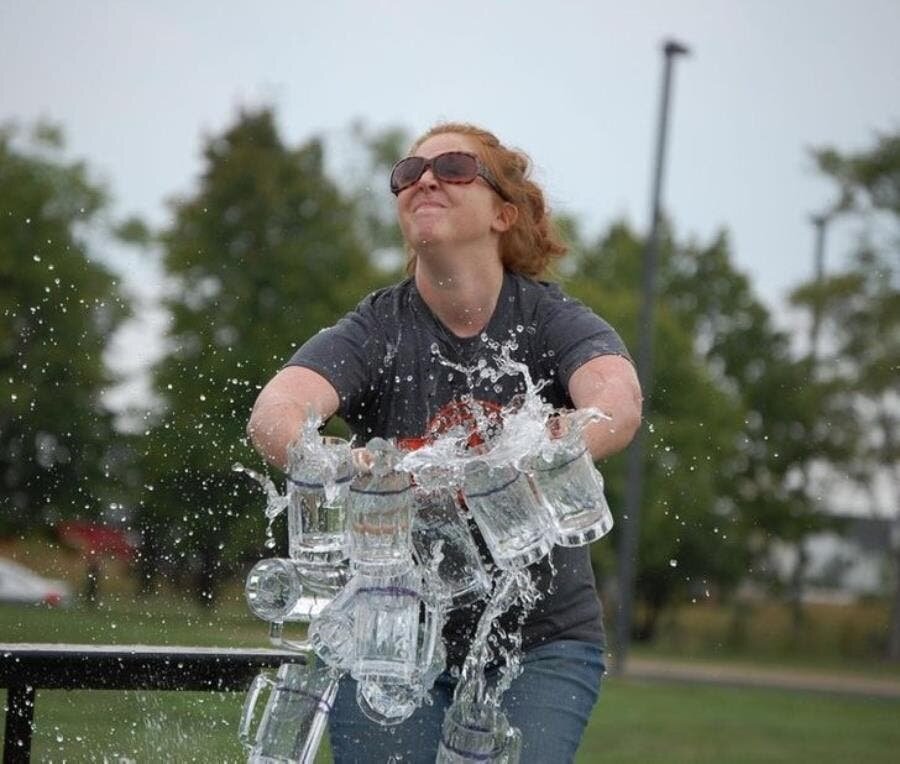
(19, 721)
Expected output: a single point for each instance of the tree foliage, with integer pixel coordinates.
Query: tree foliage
(860, 309)
(732, 418)
(59, 307)
(264, 254)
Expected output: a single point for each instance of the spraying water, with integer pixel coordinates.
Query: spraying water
(525, 429)
(525, 432)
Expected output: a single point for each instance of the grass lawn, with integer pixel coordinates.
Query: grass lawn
(123, 620)
(638, 722)
(635, 722)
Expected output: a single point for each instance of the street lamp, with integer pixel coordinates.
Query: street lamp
(644, 358)
(820, 222)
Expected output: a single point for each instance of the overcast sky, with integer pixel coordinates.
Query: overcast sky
(576, 84)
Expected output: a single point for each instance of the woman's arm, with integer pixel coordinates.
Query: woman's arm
(608, 383)
(283, 406)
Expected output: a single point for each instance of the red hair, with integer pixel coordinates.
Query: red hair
(532, 242)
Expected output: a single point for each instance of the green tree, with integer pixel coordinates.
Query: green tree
(264, 254)
(732, 414)
(59, 307)
(376, 153)
(687, 544)
(860, 312)
(791, 419)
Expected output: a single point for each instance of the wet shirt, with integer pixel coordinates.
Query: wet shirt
(388, 361)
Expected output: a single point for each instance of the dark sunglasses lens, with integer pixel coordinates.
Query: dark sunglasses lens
(455, 167)
(406, 172)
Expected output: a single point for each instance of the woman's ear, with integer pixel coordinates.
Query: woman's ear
(505, 218)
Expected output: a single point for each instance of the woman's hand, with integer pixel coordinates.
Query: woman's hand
(362, 460)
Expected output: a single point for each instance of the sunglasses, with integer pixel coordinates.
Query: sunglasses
(449, 167)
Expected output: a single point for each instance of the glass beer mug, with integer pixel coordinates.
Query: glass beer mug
(396, 632)
(295, 716)
(571, 489)
(319, 476)
(473, 735)
(331, 633)
(274, 591)
(379, 524)
(439, 527)
(516, 526)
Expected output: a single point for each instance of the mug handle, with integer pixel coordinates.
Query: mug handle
(256, 687)
(430, 629)
(276, 639)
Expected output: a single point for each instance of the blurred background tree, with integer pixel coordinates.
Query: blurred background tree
(59, 456)
(264, 254)
(732, 415)
(272, 245)
(860, 313)
(686, 548)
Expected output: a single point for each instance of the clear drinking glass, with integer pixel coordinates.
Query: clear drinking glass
(379, 524)
(319, 479)
(516, 526)
(275, 592)
(331, 633)
(476, 734)
(295, 716)
(390, 644)
(437, 521)
(389, 700)
(322, 579)
(571, 489)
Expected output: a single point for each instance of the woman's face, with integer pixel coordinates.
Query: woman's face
(433, 213)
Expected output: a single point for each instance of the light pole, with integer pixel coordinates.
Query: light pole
(644, 358)
(820, 222)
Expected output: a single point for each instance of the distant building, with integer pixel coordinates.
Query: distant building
(843, 565)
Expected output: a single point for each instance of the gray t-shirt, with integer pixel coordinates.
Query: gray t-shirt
(384, 361)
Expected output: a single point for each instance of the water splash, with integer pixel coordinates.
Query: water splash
(276, 503)
(326, 461)
(520, 431)
(512, 587)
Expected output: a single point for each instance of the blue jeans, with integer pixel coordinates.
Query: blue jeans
(550, 702)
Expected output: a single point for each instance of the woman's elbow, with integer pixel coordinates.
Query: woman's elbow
(631, 422)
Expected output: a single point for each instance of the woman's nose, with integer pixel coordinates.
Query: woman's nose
(427, 179)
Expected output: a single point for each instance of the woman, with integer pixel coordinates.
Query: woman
(479, 234)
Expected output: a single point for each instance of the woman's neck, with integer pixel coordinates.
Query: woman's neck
(461, 295)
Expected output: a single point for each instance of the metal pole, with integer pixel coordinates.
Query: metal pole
(798, 578)
(820, 222)
(644, 358)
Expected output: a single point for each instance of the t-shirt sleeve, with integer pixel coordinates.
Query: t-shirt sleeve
(344, 354)
(572, 334)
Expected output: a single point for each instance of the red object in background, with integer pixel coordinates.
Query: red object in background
(93, 539)
(467, 414)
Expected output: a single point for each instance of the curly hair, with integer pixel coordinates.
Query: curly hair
(532, 242)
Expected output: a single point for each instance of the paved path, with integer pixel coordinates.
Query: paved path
(733, 675)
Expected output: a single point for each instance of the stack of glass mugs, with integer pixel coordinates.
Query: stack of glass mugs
(375, 562)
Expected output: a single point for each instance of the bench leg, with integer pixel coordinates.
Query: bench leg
(19, 721)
